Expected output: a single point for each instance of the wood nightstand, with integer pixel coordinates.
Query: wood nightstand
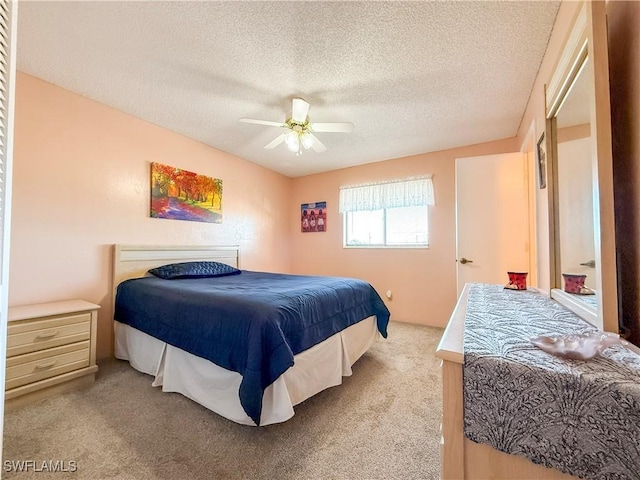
(51, 348)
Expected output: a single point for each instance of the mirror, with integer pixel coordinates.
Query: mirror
(581, 186)
(574, 184)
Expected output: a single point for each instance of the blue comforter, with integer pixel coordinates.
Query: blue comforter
(252, 323)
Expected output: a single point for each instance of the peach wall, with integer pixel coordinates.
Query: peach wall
(81, 183)
(423, 281)
(624, 68)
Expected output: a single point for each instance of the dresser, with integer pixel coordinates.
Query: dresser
(51, 348)
(461, 458)
(513, 411)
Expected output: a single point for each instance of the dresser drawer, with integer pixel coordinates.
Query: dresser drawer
(32, 335)
(32, 367)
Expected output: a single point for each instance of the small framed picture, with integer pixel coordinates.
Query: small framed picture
(313, 217)
(542, 162)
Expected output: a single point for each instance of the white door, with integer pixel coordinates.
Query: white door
(8, 24)
(492, 218)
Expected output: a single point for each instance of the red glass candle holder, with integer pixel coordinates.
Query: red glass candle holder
(517, 281)
(573, 283)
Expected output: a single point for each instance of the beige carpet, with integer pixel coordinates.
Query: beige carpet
(381, 423)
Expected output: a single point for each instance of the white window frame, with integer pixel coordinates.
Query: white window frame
(382, 196)
(384, 243)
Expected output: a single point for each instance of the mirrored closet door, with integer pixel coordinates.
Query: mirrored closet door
(583, 267)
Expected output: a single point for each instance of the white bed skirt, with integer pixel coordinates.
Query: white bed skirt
(320, 367)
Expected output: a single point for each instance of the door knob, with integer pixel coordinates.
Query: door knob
(464, 261)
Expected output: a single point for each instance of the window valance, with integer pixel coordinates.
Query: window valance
(409, 192)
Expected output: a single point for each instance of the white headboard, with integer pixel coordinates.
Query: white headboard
(133, 261)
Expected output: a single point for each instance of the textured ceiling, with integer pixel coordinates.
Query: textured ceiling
(412, 77)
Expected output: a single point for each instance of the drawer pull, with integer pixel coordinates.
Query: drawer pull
(43, 366)
(44, 336)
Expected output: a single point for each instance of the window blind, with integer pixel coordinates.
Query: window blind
(410, 192)
(5, 68)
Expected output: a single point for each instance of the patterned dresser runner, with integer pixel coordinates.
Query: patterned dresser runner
(580, 417)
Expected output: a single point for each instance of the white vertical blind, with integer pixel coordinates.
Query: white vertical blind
(410, 192)
(8, 25)
(5, 41)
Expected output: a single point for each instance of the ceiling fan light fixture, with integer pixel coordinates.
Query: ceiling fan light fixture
(298, 131)
(293, 141)
(307, 140)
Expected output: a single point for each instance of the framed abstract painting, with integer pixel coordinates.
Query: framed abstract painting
(182, 195)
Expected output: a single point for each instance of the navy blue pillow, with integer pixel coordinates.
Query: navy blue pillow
(194, 270)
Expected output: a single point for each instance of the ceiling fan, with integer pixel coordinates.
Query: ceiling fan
(299, 132)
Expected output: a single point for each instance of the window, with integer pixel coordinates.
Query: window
(390, 214)
(388, 227)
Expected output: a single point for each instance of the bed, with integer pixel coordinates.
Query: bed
(246, 345)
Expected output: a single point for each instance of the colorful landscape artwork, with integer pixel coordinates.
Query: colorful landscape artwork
(181, 195)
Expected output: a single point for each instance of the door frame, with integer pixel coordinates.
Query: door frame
(528, 148)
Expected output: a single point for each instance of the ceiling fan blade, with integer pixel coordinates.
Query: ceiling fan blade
(275, 142)
(342, 127)
(317, 145)
(299, 110)
(262, 122)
